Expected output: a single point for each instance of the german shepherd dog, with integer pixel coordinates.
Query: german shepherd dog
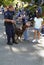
(19, 32)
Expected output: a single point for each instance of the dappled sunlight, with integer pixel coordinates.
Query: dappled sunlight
(0, 12)
(23, 49)
(39, 49)
(42, 40)
(15, 49)
(32, 58)
(7, 47)
(37, 46)
(12, 49)
(41, 45)
(4, 32)
(2, 35)
(41, 53)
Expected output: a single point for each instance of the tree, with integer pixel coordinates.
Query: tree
(6, 2)
(1, 2)
(26, 0)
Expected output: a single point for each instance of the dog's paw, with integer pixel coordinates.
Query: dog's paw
(19, 38)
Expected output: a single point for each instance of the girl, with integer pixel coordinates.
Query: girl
(37, 26)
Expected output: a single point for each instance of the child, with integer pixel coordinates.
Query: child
(25, 22)
(37, 26)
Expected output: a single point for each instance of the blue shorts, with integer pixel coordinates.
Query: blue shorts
(37, 29)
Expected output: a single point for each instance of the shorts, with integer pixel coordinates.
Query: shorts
(37, 29)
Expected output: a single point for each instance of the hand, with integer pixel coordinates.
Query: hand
(12, 21)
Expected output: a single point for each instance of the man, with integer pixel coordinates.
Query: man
(8, 20)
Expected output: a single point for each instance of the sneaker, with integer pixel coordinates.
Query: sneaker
(34, 40)
(39, 41)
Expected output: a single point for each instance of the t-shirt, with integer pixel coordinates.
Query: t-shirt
(8, 15)
(38, 22)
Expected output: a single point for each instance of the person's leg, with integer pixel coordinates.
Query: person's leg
(8, 33)
(35, 34)
(8, 39)
(13, 36)
(38, 35)
(26, 37)
(39, 41)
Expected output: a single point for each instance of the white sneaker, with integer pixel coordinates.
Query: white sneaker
(39, 41)
(34, 40)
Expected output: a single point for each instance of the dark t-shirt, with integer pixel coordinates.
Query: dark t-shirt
(8, 15)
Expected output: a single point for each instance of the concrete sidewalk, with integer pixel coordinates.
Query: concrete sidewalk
(24, 53)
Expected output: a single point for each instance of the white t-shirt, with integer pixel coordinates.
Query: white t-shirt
(38, 22)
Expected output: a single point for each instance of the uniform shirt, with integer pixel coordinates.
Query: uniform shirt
(8, 15)
(38, 22)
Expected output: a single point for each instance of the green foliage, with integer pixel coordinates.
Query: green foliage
(26, 0)
(1, 2)
(6, 2)
(43, 8)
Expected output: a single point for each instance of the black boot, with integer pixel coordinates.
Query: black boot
(8, 41)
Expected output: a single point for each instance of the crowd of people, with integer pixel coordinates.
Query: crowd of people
(23, 17)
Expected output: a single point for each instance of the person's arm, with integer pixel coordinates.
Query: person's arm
(8, 20)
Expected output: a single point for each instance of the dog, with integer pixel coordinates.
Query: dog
(19, 31)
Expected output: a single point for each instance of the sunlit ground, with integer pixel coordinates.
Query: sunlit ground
(39, 48)
(31, 53)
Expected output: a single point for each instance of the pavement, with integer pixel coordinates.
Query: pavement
(24, 53)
